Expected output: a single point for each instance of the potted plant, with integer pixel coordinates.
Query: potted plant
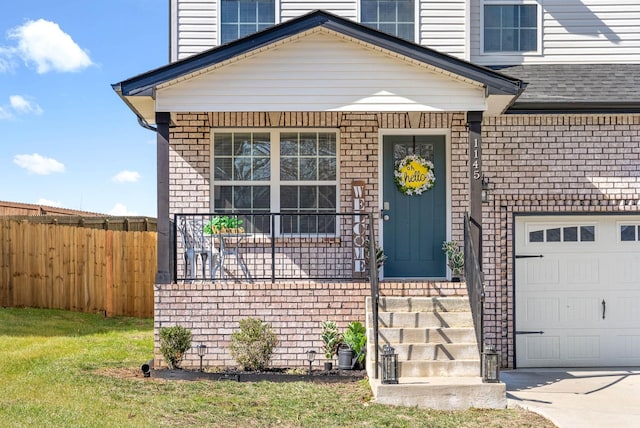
(224, 224)
(355, 339)
(380, 256)
(331, 338)
(455, 258)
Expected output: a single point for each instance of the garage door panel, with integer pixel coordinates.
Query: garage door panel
(628, 347)
(580, 310)
(583, 347)
(581, 271)
(624, 312)
(627, 269)
(542, 349)
(545, 273)
(585, 262)
(540, 310)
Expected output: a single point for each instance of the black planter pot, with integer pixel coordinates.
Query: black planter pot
(345, 358)
(328, 366)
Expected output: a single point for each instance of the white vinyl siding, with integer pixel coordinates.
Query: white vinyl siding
(443, 26)
(321, 71)
(193, 27)
(293, 8)
(440, 24)
(589, 31)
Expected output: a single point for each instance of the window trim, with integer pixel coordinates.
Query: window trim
(544, 227)
(539, 13)
(274, 182)
(218, 12)
(619, 225)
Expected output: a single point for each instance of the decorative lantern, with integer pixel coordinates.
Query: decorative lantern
(389, 365)
(202, 349)
(490, 365)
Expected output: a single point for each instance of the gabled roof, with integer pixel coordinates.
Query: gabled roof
(576, 88)
(144, 85)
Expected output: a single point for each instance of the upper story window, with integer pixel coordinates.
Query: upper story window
(396, 17)
(510, 26)
(239, 18)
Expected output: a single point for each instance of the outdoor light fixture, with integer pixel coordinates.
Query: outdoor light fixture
(146, 370)
(389, 365)
(485, 189)
(202, 349)
(490, 365)
(311, 355)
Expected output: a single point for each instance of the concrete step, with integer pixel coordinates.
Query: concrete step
(442, 393)
(437, 352)
(453, 368)
(424, 319)
(394, 336)
(424, 304)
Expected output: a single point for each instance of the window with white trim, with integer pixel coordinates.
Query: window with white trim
(629, 232)
(569, 233)
(278, 171)
(239, 18)
(510, 27)
(395, 17)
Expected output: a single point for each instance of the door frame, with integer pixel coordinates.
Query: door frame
(446, 132)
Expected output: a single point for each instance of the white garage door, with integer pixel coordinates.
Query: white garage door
(577, 291)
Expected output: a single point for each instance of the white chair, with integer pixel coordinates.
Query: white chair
(196, 244)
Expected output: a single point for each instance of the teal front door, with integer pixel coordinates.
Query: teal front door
(414, 226)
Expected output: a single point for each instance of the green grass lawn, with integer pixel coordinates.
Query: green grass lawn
(70, 369)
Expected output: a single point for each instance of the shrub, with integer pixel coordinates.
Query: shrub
(356, 337)
(252, 345)
(174, 342)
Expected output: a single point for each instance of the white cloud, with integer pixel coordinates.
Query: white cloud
(19, 105)
(23, 105)
(6, 61)
(45, 44)
(38, 164)
(121, 210)
(49, 202)
(126, 177)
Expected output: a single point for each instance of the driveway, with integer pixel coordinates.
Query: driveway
(578, 397)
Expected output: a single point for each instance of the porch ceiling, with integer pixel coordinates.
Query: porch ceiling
(319, 62)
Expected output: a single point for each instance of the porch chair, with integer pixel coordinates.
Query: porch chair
(196, 244)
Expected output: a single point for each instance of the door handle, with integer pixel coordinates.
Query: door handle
(604, 308)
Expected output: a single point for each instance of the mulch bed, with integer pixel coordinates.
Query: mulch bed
(271, 375)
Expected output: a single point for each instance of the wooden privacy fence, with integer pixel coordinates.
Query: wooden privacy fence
(52, 265)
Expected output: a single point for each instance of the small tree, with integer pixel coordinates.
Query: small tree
(174, 342)
(331, 338)
(252, 345)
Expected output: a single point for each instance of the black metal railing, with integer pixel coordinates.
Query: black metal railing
(473, 278)
(273, 246)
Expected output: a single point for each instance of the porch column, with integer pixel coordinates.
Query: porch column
(163, 275)
(474, 123)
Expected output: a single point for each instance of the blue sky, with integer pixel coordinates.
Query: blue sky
(66, 138)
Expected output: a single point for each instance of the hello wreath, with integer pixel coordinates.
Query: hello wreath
(414, 175)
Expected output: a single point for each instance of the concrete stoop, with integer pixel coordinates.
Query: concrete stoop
(442, 393)
(438, 357)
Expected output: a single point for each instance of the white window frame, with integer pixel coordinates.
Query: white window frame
(619, 225)
(275, 183)
(535, 227)
(276, 11)
(539, 13)
(416, 19)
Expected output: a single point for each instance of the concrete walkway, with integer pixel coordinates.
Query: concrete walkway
(578, 397)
